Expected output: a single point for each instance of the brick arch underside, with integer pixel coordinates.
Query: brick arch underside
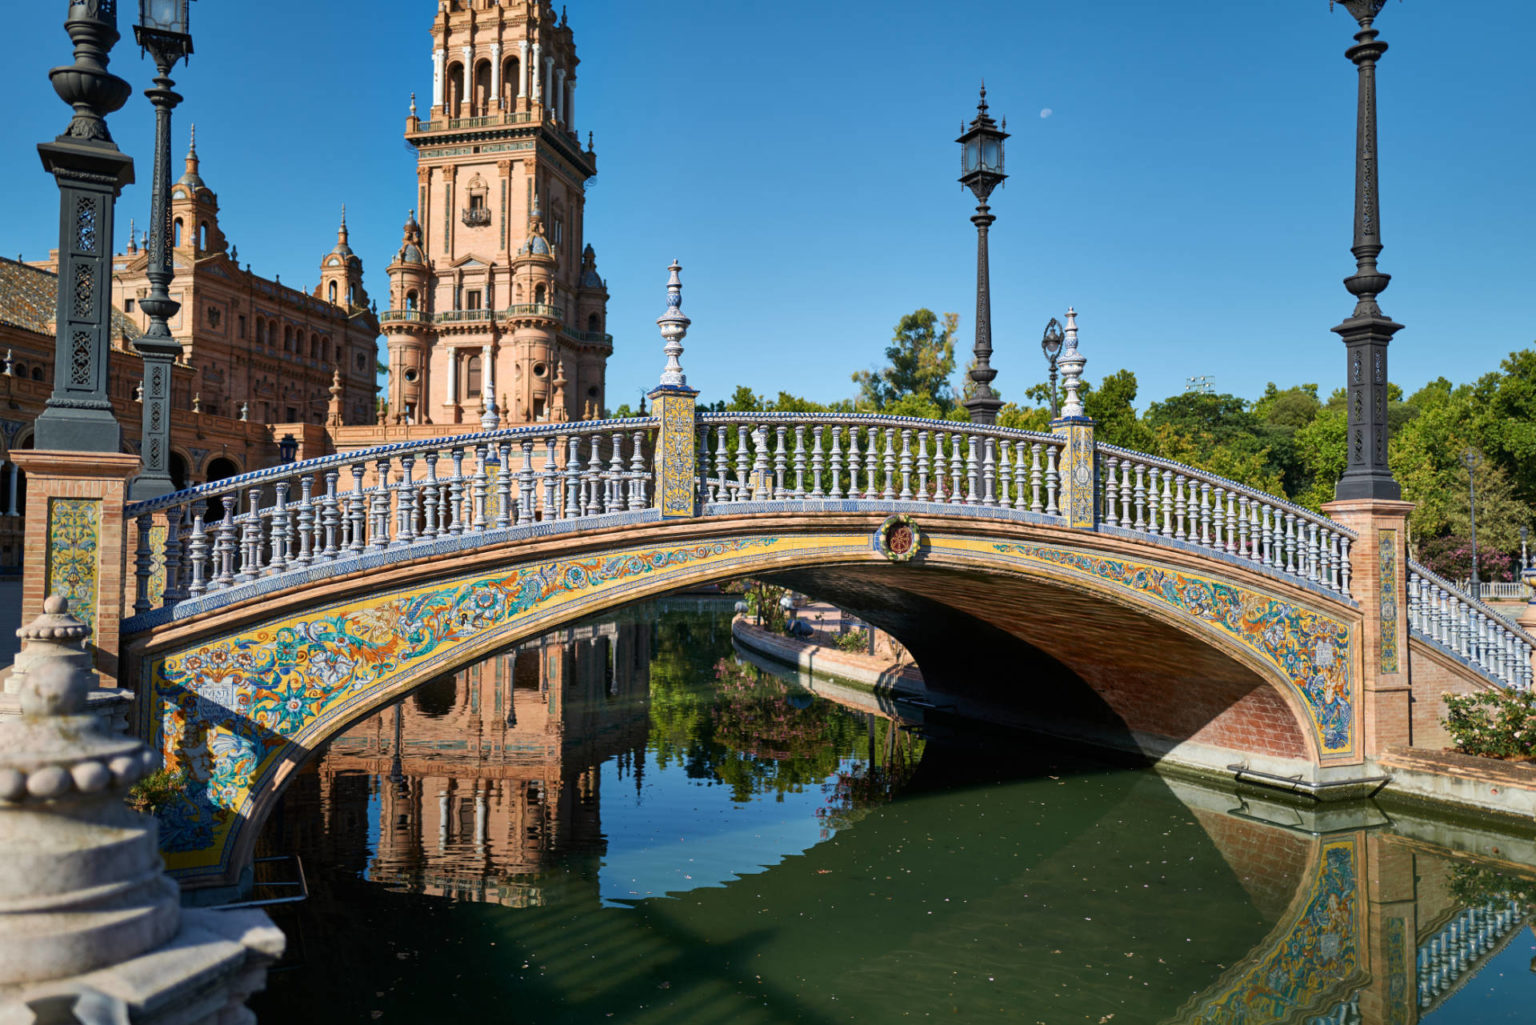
(1068, 661)
(241, 760)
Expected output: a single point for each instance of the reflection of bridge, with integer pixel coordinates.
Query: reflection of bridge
(486, 776)
(1135, 601)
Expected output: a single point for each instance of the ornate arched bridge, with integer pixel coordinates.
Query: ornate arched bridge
(1178, 613)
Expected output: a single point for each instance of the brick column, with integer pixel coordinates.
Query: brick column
(1378, 580)
(1391, 932)
(77, 542)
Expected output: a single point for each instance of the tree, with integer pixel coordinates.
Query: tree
(920, 362)
(1112, 406)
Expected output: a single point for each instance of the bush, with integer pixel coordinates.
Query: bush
(855, 641)
(157, 790)
(1493, 724)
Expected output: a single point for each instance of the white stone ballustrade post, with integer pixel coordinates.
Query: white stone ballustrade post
(1442, 614)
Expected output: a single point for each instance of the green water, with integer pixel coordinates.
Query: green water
(627, 825)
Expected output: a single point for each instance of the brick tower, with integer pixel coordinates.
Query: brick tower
(493, 295)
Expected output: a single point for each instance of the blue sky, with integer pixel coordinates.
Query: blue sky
(1190, 192)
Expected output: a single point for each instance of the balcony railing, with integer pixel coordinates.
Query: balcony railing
(593, 337)
(548, 310)
(489, 121)
(476, 216)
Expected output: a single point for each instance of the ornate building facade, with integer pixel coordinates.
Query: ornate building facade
(497, 314)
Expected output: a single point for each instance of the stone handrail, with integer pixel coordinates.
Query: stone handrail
(1440, 612)
(1161, 498)
(218, 536)
(755, 457)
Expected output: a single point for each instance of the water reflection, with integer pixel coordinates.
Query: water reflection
(622, 823)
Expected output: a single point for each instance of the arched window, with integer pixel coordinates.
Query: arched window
(410, 300)
(509, 82)
(325, 350)
(314, 346)
(594, 322)
(538, 294)
(472, 378)
(455, 90)
(482, 98)
(202, 235)
(176, 233)
(37, 373)
(333, 293)
(351, 295)
(287, 339)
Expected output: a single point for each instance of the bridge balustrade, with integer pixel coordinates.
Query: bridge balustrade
(1449, 957)
(776, 457)
(1161, 499)
(1441, 613)
(222, 535)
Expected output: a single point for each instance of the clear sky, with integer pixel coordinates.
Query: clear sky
(1180, 172)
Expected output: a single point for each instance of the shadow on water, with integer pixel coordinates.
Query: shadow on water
(470, 863)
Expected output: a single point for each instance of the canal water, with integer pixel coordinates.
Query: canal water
(627, 822)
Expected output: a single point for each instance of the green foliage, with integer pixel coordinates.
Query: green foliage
(157, 790)
(854, 641)
(1473, 884)
(763, 604)
(1112, 406)
(1493, 723)
(920, 362)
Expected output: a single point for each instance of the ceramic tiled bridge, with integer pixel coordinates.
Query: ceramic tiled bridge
(1211, 623)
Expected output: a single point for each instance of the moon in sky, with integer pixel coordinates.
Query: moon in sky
(1047, 112)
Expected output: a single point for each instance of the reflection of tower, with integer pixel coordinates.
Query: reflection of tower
(486, 778)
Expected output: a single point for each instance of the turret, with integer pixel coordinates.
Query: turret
(341, 273)
(195, 209)
(406, 326)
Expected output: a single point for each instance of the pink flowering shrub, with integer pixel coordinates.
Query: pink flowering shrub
(1493, 723)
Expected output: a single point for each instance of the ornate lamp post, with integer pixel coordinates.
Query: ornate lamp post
(91, 172)
(288, 448)
(1471, 458)
(1368, 331)
(1050, 344)
(163, 31)
(981, 171)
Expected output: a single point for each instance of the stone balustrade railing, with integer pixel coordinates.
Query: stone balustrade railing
(758, 457)
(1164, 499)
(1438, 611)
(224, 534)
(1456, 949)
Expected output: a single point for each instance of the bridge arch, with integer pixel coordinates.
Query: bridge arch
(240, 694)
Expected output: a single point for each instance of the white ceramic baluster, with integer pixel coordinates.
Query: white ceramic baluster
(1052, 483)
(1112, 492)
(799, 491)
(197, 584)
(818, 460)
(224, 544)
(906, 465)
(405, 531)
(972, 468)
(988, 470)
(889, 491)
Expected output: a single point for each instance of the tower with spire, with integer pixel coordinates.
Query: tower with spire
(195, 209)
(493, 285)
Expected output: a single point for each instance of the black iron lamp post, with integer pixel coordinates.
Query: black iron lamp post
(1368, 331)
(1050, 344)
(981, 171)
(1471, 458)
(288, 448)
(91, 172)
(163, 31)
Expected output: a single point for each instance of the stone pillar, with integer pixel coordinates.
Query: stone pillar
(570, 104)
(1078, 465)
(1378, 581)
(559, 103)
(495, 96)
(91, 929)
(438, 58)
(538, 92)
(77, 541)
(453, 377)
(672, 403)
(547, 83)
(522, 68)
